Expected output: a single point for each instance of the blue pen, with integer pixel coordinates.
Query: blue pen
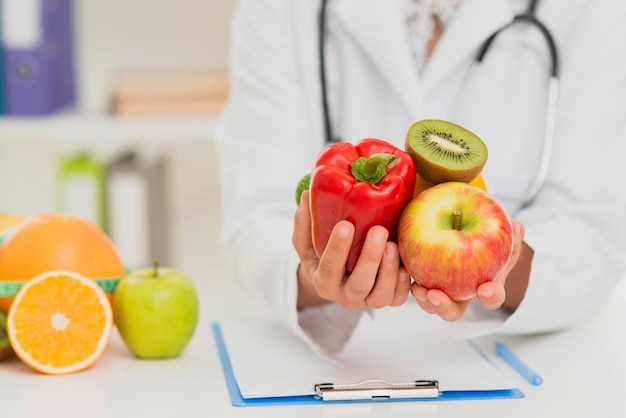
(507, 355)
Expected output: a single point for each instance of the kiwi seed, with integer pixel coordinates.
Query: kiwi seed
(444, 151)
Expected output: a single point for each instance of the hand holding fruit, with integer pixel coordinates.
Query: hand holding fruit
(470, 260)
(376, 281)
(456, 241)
(491, 294)
(367, 183)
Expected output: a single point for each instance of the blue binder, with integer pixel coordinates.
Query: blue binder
(38, 56)
(237, 399)
(2, 89)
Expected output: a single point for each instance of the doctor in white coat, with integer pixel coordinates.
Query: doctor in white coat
(273, 128)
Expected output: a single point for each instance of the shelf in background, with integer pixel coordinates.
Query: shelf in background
(85, 129)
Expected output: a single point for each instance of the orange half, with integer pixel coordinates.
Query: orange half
(60, 322)
(421, 184)
(479, 182)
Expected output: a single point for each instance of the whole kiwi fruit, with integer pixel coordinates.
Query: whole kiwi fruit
(444, 151)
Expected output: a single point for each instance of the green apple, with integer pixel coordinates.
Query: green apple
(156, 311)
(454, 237)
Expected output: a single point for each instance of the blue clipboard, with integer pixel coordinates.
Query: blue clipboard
(238, 400)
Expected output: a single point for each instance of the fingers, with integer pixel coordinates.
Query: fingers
(361, 281)
(377, 279)
(302, 241)
(491, 294)
(518, 238)
(436, 302)
(519, 231)
(331, 269)
(393, 279)
(301, 237)
(392, 284)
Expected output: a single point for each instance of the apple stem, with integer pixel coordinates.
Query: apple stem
(155, 263)
(457, 220)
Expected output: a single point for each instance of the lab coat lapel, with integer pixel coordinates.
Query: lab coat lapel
(474, 22)
(379, 27)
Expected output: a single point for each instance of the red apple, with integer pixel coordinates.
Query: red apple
(454, 237)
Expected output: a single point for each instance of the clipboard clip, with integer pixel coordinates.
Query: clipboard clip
(372, 389)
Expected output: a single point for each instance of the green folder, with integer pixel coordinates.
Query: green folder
(81, 190)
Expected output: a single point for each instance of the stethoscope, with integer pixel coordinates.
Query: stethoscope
(551, 99)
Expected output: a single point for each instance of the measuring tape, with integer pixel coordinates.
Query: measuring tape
(11, 288)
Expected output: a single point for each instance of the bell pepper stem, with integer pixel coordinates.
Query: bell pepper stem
(372, 169)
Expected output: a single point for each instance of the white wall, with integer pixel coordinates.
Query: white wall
(117, 35)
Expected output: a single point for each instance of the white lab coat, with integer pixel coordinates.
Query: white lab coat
(272, 130)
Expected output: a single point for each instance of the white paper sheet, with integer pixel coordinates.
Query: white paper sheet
(269, 361)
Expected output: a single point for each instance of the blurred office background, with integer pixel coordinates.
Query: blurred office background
(133, 151)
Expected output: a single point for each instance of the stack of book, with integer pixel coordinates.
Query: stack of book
(170, 93)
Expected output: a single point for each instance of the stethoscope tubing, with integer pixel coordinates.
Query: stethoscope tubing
(322, 69)
(551, 98)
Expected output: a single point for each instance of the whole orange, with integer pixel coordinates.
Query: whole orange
(57, 242)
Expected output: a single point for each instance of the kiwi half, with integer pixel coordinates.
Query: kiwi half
(444, 151)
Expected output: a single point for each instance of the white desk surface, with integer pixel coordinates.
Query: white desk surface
(584, 372)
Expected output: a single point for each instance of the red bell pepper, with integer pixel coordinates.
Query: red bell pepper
(368, 183)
